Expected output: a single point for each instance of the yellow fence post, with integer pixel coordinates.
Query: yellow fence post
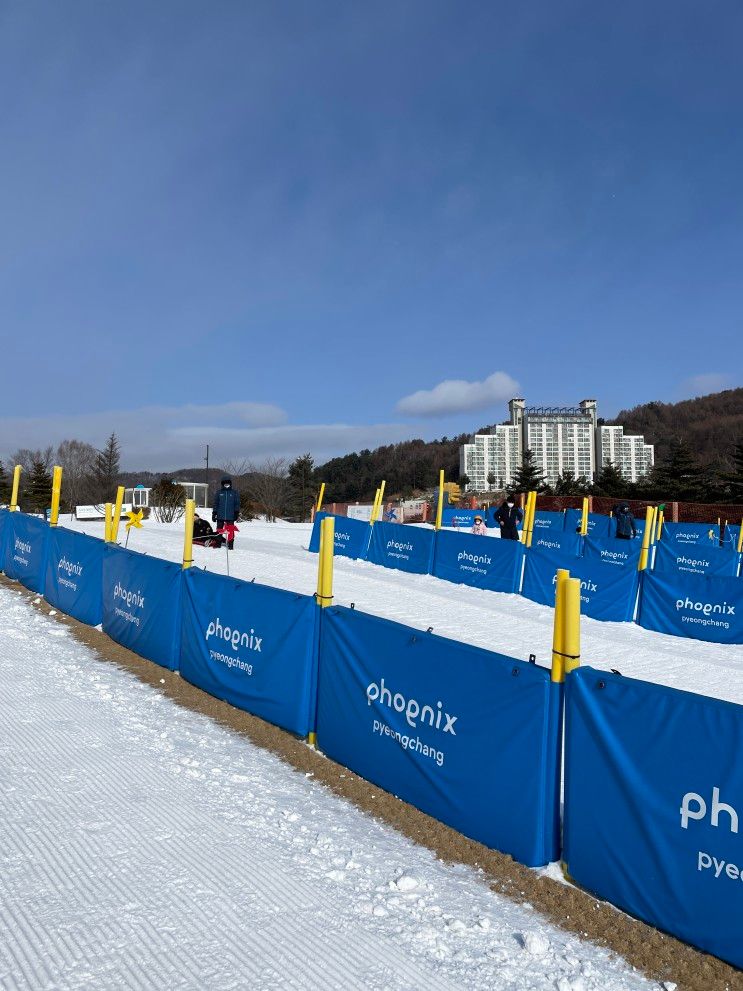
(531, 508)
(643, 563)
(109, 521)
(377, 505)
(324, 595)
(740, 538)
(117, 514)
(16, 485)
(659, 530)
(584, 517)
(56, 494)
(571, 639)
(188, 534)
(440, 506)
(320, 497)
(558, 630)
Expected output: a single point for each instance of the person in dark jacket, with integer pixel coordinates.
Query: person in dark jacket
(625, 521)
(508, 518)
(204, 535)
(226, 508)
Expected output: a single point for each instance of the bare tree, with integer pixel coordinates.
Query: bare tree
(27, 458)
(168, 500)
(77, 460)
(268, 485)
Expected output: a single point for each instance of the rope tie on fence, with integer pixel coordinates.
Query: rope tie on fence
(570, 657)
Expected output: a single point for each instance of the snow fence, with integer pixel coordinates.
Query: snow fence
(469, 736)
(654, 803)
(607, 566)
(653, 780)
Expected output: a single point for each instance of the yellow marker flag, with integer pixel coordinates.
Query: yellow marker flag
(135, 519)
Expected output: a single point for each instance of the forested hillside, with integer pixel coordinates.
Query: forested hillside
(711, 425)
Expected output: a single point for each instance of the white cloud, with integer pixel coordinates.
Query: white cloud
(704, 384)
(164, 438)
(459, 396)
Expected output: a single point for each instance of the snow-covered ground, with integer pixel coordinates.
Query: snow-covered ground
(145, 846)
(276, 553)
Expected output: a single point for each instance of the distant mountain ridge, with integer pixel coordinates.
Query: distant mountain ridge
(711, 425)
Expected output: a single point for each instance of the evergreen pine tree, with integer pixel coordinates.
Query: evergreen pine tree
(732, 481)
(491, 480)
(106, 470)
(38, 494)
(301, 486)
(679, 476)
(528, 477)
(610, 481)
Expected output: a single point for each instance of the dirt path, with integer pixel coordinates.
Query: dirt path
(658, 956)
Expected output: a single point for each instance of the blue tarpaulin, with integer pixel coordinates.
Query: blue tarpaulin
(696, 606)
(612, 550)
(551, 522)
(407, 548)
(692, 533)
(462, 519)
(695, 559)
(606, 592)
(479, 561)
(557, 543)
(654, 805)
(26, 547)
(142, 604)
(351, 538)
(250, 645)
(468, 736)
(74, 575)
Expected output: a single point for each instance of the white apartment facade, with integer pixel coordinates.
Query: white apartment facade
(562, 439)
(628, 452)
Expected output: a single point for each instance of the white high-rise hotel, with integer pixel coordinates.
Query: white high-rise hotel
(561, 439)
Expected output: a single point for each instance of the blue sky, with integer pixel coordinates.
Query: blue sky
(268, 225)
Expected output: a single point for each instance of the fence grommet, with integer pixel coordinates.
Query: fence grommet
(515, 672)
(600, 684)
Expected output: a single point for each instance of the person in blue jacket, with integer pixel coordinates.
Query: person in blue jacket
(625, 521)
(226, 508)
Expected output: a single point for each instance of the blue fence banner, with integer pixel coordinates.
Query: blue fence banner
(695, 559)
(698, 606)
(692, 533)
(552, 522)
(351, 536)
(74, 575)
(599, 526)
(407, 548)
(462, 519)
(606, 592)
(142, 604)
(26, 546)
(252, 646)
(465, 735)
(613, 550)
(654, 805)
(479, 561)
(557, 543)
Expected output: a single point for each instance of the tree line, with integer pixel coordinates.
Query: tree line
(89, 475)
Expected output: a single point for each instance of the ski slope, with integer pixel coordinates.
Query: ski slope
(276, 553)
(145, 846)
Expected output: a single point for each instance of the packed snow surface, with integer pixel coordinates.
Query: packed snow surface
(145, 846)
(276, 554)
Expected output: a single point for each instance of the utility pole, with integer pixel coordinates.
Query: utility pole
(207, 467)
